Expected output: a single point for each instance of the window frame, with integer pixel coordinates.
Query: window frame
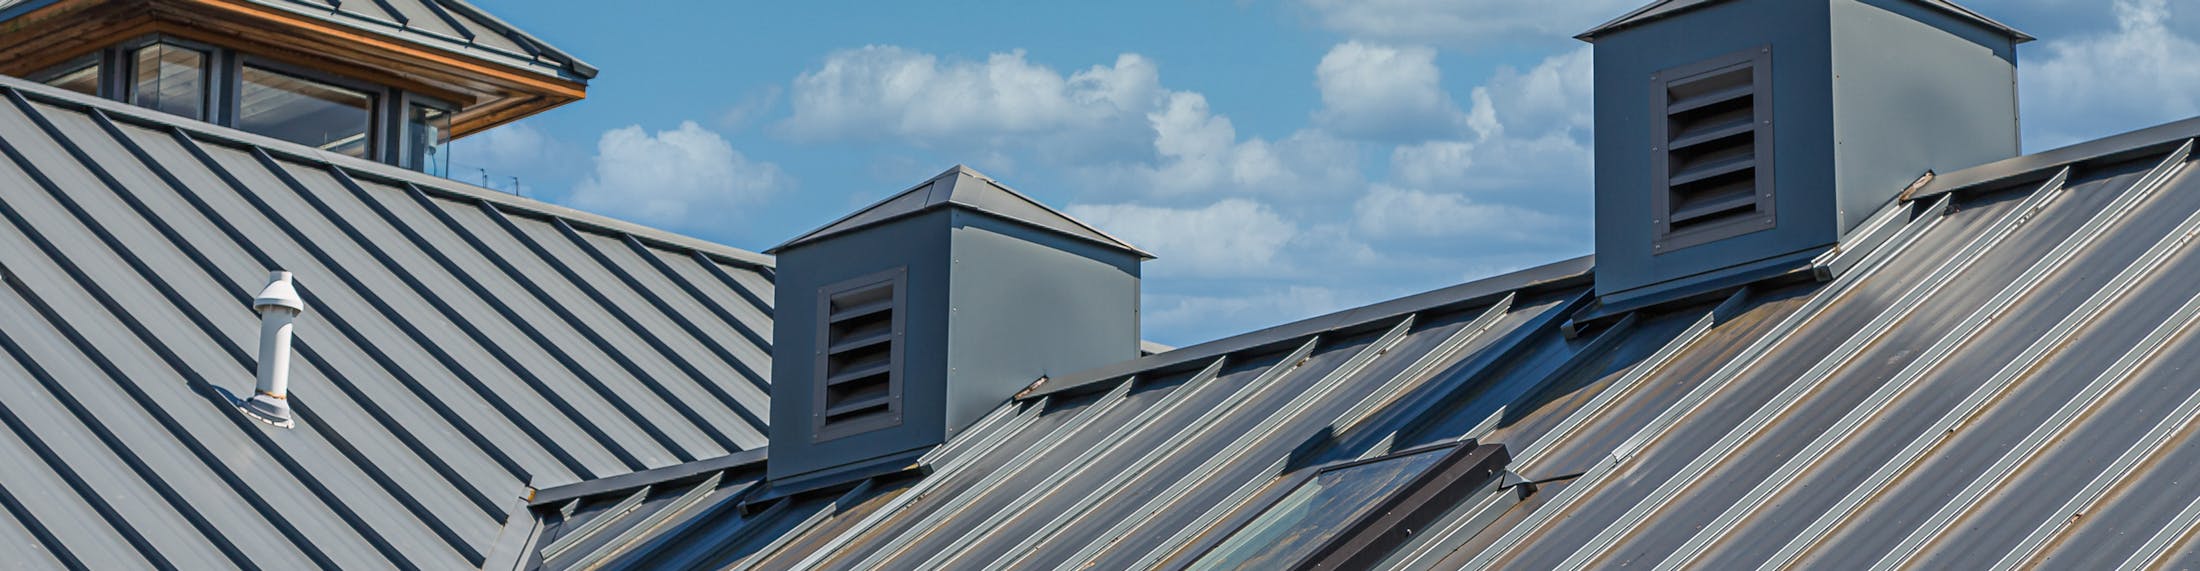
(403, 155)
(97, 60)
(378, 97)
(820, 429)
(120, 84)
(1764, 214)
(1364, 540)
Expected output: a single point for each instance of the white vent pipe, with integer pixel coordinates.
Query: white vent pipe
(279, 306)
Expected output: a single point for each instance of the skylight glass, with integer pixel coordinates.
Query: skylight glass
(1314, 513)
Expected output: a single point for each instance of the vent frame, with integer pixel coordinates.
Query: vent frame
(1726, 217)
(835, 342)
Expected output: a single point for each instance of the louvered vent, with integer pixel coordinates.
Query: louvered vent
(861, 357)
(1714, 171)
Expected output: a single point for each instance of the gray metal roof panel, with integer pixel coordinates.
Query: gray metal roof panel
(437, 376)
(1717, 434)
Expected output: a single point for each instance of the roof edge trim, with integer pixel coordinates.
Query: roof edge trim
(1650, 13)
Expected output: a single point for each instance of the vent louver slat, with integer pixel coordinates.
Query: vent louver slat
(859, 368)
(1714, 150)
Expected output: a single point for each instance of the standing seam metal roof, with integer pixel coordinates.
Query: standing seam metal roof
(460, 347)
(2028, 337)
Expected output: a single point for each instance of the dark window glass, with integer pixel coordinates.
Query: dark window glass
(299, 110)
(82, 78)
(427, 138)
(1316, 511)
(170, 79)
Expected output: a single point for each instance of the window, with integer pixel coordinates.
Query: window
(427, 138)
(300, 110)
(1350, 514)
(168, 78)
(80, 75)
(858, 364)
(1714, 149)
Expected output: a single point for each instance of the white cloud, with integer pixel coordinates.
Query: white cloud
(1531, 132)
(1199, 153)
(1389, 212)
(1466, 23)
(1385, 93)
(682, 177)
(1233, 237)
(2137, 76)
(920, 99)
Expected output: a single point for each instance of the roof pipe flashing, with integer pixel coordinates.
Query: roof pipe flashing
(279, 307)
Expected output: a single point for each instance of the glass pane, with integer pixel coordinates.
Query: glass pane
(427, 138)
(83, 79)
(170, 79)
(304, 111)
(1318, 510)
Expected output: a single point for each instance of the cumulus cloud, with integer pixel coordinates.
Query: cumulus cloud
(921, 99)
(1382, 92)
(2089, 86)
(677, 178)
(1530, 131)
(1232, 237)
(1466, 23)
(1199, 153)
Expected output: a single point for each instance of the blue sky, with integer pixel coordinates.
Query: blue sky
(1284, 158)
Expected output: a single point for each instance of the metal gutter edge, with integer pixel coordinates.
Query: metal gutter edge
(1569, 273)
(634, 480)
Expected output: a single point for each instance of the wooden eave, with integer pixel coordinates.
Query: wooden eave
(489, 93)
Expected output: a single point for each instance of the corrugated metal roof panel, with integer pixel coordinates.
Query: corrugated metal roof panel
(2011, 342)
(442, 369)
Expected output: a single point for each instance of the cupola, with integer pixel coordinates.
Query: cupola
(1739, 139)
(391, 81)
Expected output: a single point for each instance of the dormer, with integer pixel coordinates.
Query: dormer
(1738, 140)
(392, 81)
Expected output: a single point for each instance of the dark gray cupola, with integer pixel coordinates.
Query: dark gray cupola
(903, 323)
(1740, 139)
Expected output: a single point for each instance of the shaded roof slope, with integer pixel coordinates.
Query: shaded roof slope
(2030, 337)
(461, 348)
(962, 187)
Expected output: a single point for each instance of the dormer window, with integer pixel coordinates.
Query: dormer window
(81, 75)
(170, 78)
(310, 112)
(311, 107)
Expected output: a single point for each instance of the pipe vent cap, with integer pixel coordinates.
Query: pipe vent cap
(279, 293)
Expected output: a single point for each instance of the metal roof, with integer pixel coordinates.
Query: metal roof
(452, 25)
(962, 187)
(461, 347)
(2005, 379)
(1667, 8)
